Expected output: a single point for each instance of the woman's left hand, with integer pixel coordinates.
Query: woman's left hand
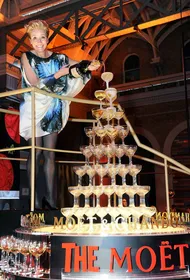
(94, 65)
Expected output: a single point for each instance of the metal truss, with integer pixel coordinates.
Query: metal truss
(96, 26)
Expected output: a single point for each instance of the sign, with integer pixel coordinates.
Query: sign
(93, 256)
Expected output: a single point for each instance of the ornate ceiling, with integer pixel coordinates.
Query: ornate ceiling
(90, 28)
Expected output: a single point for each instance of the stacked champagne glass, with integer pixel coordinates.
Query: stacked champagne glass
(108, 127)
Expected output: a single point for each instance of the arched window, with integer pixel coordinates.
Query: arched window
(187, 56)
(132, 69)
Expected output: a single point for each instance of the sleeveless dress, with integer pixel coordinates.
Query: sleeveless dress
(51, 114)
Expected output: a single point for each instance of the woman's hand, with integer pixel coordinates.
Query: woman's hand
(94, 65)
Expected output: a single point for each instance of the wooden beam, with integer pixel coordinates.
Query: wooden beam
(129, 30)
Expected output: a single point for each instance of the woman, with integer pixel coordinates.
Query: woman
(55, 73)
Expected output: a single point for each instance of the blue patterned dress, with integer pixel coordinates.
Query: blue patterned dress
(51, 114)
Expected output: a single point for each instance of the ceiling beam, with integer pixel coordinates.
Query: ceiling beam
(129, 30)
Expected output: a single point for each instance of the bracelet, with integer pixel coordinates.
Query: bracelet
(73, 71)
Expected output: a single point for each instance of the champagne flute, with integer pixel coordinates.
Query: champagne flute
(107, 77)
(102, 170)
(108, 114)
(119, 115)
(98, 152)
(97, 114)
(98, 191)
(109, 190)
(100, 132)
(15, 249)
(90, 171)
(75, 191)
(80, 171)
(112, 133)
(134, 169)
(123, 171)
(123, 132)
(87, 152)
(130, 151)
(112, 171)
(100, 95)
(109, 151)
(86, 191)
(111, 95)
(37, 248)
(119, 152)
(89, 131)
(24, 250)
(142, 191)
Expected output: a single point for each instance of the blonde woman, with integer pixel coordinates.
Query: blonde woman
(52, 72)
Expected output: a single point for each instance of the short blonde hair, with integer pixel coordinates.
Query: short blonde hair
(37, 24)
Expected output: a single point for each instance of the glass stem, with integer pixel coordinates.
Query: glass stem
(109, 202)
(37, 263)
(142, 201)
(113, 180)
(90, 181)
(76, 201)
(98, 201)
(120, 201)
(86, 201)
(130, 160)
(123, 180)
(135, 180)
(131, 201)
(79, 180)
(101, 180)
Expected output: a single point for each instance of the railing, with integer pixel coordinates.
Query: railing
(167, 161)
